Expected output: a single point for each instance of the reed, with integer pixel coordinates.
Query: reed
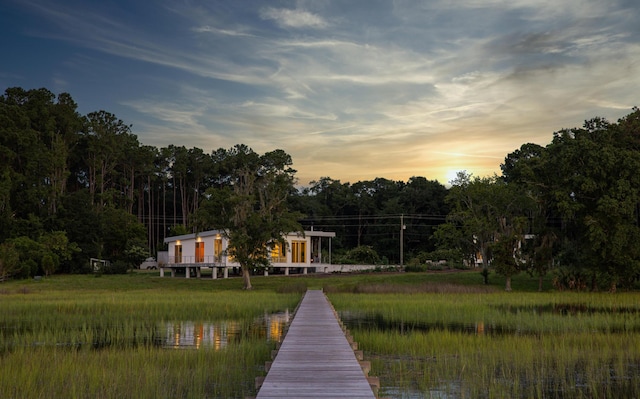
(87, 337)
(142, 372)
(435, 335)
(515, 346)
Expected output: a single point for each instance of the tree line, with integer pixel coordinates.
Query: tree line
(74, 187)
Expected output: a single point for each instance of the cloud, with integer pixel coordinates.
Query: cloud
(287, 18)
(223, 32)
(398, 89)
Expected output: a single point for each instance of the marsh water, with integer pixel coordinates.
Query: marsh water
(403, 376)
(218, 335)
(169, 334)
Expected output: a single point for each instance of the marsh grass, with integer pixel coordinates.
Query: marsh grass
(525, 345)
(142, 372)
(87, 337)
(421, 288)
(522, 344)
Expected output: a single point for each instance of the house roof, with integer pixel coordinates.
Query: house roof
(209, 233)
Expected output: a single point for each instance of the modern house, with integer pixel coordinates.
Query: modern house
(208, 249)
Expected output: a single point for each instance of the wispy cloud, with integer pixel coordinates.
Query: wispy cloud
(288, 18)
(397, 89)
(224, 32)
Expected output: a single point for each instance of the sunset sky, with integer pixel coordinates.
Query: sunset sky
(353, 90)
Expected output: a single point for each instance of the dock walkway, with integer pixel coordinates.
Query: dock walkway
(315, 359)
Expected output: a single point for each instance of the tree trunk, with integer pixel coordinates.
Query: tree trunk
(246, 278)
(539, 283)
(508, 284)
(485, 263)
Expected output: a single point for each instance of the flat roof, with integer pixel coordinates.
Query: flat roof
(209, 233)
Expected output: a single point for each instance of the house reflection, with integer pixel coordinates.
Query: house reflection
(220, 334)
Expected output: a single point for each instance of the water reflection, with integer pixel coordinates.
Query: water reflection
(567, 309)
(378, 322)
(220, 334)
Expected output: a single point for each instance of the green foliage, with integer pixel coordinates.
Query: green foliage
(117, 267)
(362, 255)
(252, 208)
(505, 259)
(81, 186)
(586, 185)
(9, 259)
(178, 230)
(135, 255)
(48, 264)
(439, 259)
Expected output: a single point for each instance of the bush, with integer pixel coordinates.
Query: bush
(362, 255)
(416, 267)
(433, 260)
(117, 267)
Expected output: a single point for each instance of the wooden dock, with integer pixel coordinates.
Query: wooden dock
(315, 359)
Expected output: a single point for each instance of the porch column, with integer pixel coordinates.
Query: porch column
(286, 271)
(162, 272)
(173, 272)
(226, 272)
(214, 272)
(266, 272)
(305, 270)
(187, 272)
(198, 272)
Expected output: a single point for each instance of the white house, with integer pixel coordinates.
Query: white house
(208, 249)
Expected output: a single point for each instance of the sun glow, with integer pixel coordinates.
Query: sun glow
(451, 175)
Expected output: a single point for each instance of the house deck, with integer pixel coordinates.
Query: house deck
(217, 267)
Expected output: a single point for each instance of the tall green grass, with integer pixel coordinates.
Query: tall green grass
(141, 372)
(87, 337)
(550, 345)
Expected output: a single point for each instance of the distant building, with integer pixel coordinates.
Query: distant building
(208, 249)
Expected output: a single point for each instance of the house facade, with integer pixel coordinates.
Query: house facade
(208, 250)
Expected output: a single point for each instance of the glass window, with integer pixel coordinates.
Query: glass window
(298, 252)
(217, 249)
(277, 254)
(178, 254)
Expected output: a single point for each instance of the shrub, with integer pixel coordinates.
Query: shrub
(362, 255)
(117, 267)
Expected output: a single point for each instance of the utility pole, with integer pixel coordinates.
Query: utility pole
(402, 227)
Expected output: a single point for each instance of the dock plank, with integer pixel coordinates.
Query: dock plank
(315, 359)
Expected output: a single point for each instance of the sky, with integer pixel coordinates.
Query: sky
(351, 89)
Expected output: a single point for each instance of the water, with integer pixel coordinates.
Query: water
(173, 335)
(377, 322)
(220, 334)
(403, 377)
